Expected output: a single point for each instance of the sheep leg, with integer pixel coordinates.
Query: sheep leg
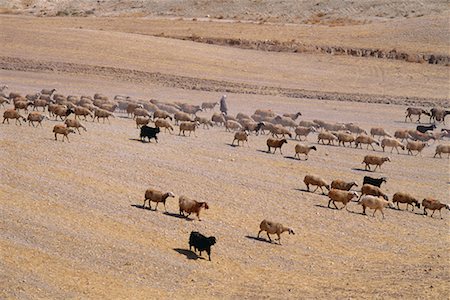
(143, 205)
(165, 209)
(432, 213)
(329, 202)
(440, 213)
(259, 234)
(156, 207)
(364, 210)
(425, 211)
(269, 237)
(317, 187)
(307, 187)
(56, 137)
(209, 253)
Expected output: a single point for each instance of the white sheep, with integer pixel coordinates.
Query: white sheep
(273, 228)
(375, 203)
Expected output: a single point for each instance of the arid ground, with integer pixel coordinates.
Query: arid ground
(71, 217)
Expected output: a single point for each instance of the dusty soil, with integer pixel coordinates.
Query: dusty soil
(71, 218)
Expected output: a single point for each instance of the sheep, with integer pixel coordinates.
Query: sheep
(241, 116)
(48, 91)
(374, 160)
(150, 107)
(209, 105)
(190, 109)
(153, 195)
(344, 197)
(389, 142)
(183, 117)
(160, 114)
(303, 131)
(375, 203)
(162, 123)
(284, 121)
(40, 103)
(12, 114)
(415, 111)
(293, 116)
(62, 111)
(131, 107)
(62, 129)
(230, 118)
(274, 143)
(442, 149)
(205, 121)
(380, 132)
(188, 126)
(33, 97)
(251, 126)
(365, 139)
(304, 123)
(326, 136)
(345, 138)
(374, 181)
(303, 149)
(280, 130)
(22, 105)
(140, 121)
(232, 125)
(438, 114)
(168, 107)
(273, 228)
(73, 99)
(355, 129)
(141, 112)
(109, 107)
(101, 113)
(82, 111)
(4, 100)
(368, 189)
(218, 119)
(189, 206)
(35, 117)
(342, 185)
(415, 146)
(333, 127)
(317, 181)
(419, 136)
(265, 113)
(424, 129)
(402, 134)
(14, 95)
(241, 136)
(75, 124)
(433, 204)
(201, 243)
(401, 197)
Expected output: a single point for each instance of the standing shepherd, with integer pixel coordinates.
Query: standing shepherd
(223, 105)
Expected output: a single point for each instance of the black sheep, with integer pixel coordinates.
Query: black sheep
(201, 242)
(374, 181)
(149, 132)
(424, 129)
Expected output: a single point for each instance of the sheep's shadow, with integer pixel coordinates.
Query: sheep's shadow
(259, 239)
(142, 207)
(311, 192)
(178, 216)
(323, 206)
(362, 170)
(231, 145)
(356, 213)
(292, 157)
(188, 253)
(264, 151)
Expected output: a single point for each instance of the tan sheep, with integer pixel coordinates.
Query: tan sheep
(402, 134)
(442, 149)
(375, 203)
(355, 129)
(131, 107)
(22, 105)
(162, 123)
(380, 132)
(293, 116)
(415, 146)
(35, 117)
(326, 136)
(74, 124)
(209, 105)
(303, 149)
(280, 130)
(318, 181)
(415, 111)
(188, 126)
(204, 121)
(390, 142)
(303, 131)
(103, 114)
(368, 189)
(284, 121)
(344, 197)
(433, 204)
(189, 206)
(304, 123)
(218, 119)
(273, 228)
(141, 121)
(161, 114)
(241, 136)
(274, 143)
(182, 117)
(232, 125)
(342, 185)
(141, 112)
(374, 160)
(82, 111)
(241, 116)
(365, 139)
(153, 195)
(40, 103)
(265, 113)
(344, 137)
(12, 114)
(62, 129)
(3, 100)
(401, 197)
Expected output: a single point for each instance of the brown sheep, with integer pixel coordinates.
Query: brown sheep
(326, 136)
(433, 204)
(131, 107)
(104, 114)
(22, 105)
(153, 195)
(280, 130)
(241, 136)
(232, 125)
(402, 134)
(340, 196)
(355, 129)
(303, 131)
(345, 138)
(365, 139)
(62, 129)
(82, 111)
(342, 185)
(12, 114)
(415, 146)
(209, 105)
(317, 181)
(265, 113)
(191, 206)
(218, 119)
(389, 142)
(374, 160)
(162, 123)
(303, 149)
(415, 111)
(368, 189)
(380, 132)
(74, 124)
(274, 143)
(293, 116)
(161, 114)
(183, 117)
(188, 126)
(35, 117)
(140, 121)
(405, 198)
(442, 149)
(273, 228)
(141, 112)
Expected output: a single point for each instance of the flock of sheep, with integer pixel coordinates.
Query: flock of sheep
(167, 115)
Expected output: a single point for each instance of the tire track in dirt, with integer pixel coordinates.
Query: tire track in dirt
(210, 85)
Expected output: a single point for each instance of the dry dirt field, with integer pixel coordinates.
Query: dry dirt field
(71, 217)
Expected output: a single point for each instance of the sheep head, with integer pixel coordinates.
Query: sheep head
(212, 240)
(291, 231)
(205, 205)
